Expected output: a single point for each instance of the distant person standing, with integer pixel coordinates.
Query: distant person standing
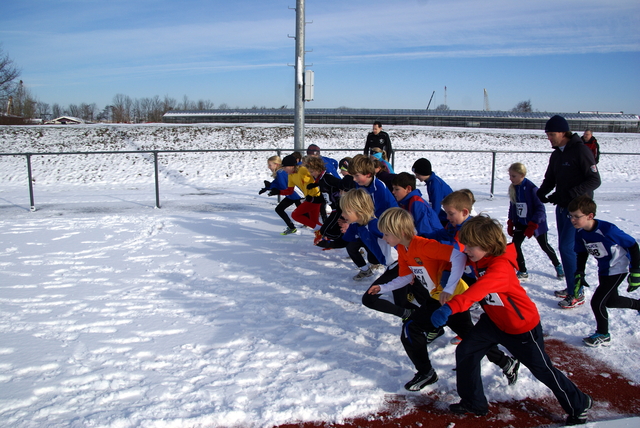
(591, 142)
(572, 172)
(378, 138)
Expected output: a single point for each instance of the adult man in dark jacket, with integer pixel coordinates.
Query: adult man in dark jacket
(572, 172)
(378, 138)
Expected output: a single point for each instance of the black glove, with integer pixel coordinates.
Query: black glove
(264, 189)
(633, 279)
(542, 197)
(553, 198)
(274, 192)
(312, 185)
(267, 184)
(579, 282)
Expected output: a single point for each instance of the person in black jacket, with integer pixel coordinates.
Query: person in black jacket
(572, 172)
(591, 142)
(378, 138)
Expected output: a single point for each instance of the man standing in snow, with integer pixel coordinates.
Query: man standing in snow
(378, 138)
(591, 142)
(572, 172)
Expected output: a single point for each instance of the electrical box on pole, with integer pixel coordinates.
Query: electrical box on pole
(308, 85)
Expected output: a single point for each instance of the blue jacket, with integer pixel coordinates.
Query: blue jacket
(281, 182)
(613, 249)
(383, 199)
(528, 207)
(437, 189)
(331, 166)
(424, 217)
(369, 234)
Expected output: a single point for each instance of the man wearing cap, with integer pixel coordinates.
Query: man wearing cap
(572, 172)
(378, 138)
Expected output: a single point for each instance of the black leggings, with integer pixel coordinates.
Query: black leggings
(606, 296)
(283, 205)
(518, 239)
(400, 302)
(353, 249)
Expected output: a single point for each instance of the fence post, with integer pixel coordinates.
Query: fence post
(493, 172)
(155, 166)
(30, 178)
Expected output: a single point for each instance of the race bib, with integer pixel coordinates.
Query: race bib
(493, 299)
(421, 273)
(596, 249)
(521, 209)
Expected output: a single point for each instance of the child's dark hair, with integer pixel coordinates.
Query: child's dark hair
(470, 194)
(404, 180)
(584, 204)
(297, 155)
(361, 164)
(484, 232)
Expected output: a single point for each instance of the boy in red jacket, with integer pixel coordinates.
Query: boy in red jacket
(511, 319)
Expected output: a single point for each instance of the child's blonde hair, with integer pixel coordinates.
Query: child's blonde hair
(275, 159)
(459, 200)
(314, 163)
(397, 222)
(518, 168)
(359, 202)
(379, 150)
(484, 232)
(362, 164)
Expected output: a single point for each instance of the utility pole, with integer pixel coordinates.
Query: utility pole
(298, 128)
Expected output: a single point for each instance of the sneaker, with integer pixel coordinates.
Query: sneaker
(461, 409)
(289, 231)
(374, 267)
(434, 334)
(559, 272)
(522, 276)
(420, 380)
(597, 339)
(317, 238)
(363, 274)
(511, 371)
(571, 302)
(580, 419)
(456, 340)
(561, 293)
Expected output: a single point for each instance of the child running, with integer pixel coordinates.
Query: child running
(308, 212)
(280, 183)
(527, 218)
(615, 251)
(410, 198)
(426, 265)
(358, 212)
(511, 319)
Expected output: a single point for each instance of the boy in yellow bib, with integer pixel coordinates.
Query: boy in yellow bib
(425, 264)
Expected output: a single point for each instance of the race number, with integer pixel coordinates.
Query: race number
(596, 249)
(521, 209)
(421, 273)
(493, 299)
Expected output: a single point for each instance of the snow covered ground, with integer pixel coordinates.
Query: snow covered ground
(200, 314)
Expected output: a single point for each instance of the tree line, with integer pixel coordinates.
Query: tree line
(20, 102)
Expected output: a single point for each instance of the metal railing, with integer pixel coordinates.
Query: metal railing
(279, 151)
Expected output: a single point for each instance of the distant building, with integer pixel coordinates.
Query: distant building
(596, 121)
(65, 120)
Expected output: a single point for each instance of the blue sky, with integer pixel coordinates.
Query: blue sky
(563, 55)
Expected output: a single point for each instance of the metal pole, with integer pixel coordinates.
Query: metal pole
(155, 165)
(493, 172)
(298, 128)
(30, 178)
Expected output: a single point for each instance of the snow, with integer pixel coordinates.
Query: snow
(200, 314)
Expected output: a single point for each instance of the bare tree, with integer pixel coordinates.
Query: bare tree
(443, 107)
(121, 108)
(523, 107)
(8, 74)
